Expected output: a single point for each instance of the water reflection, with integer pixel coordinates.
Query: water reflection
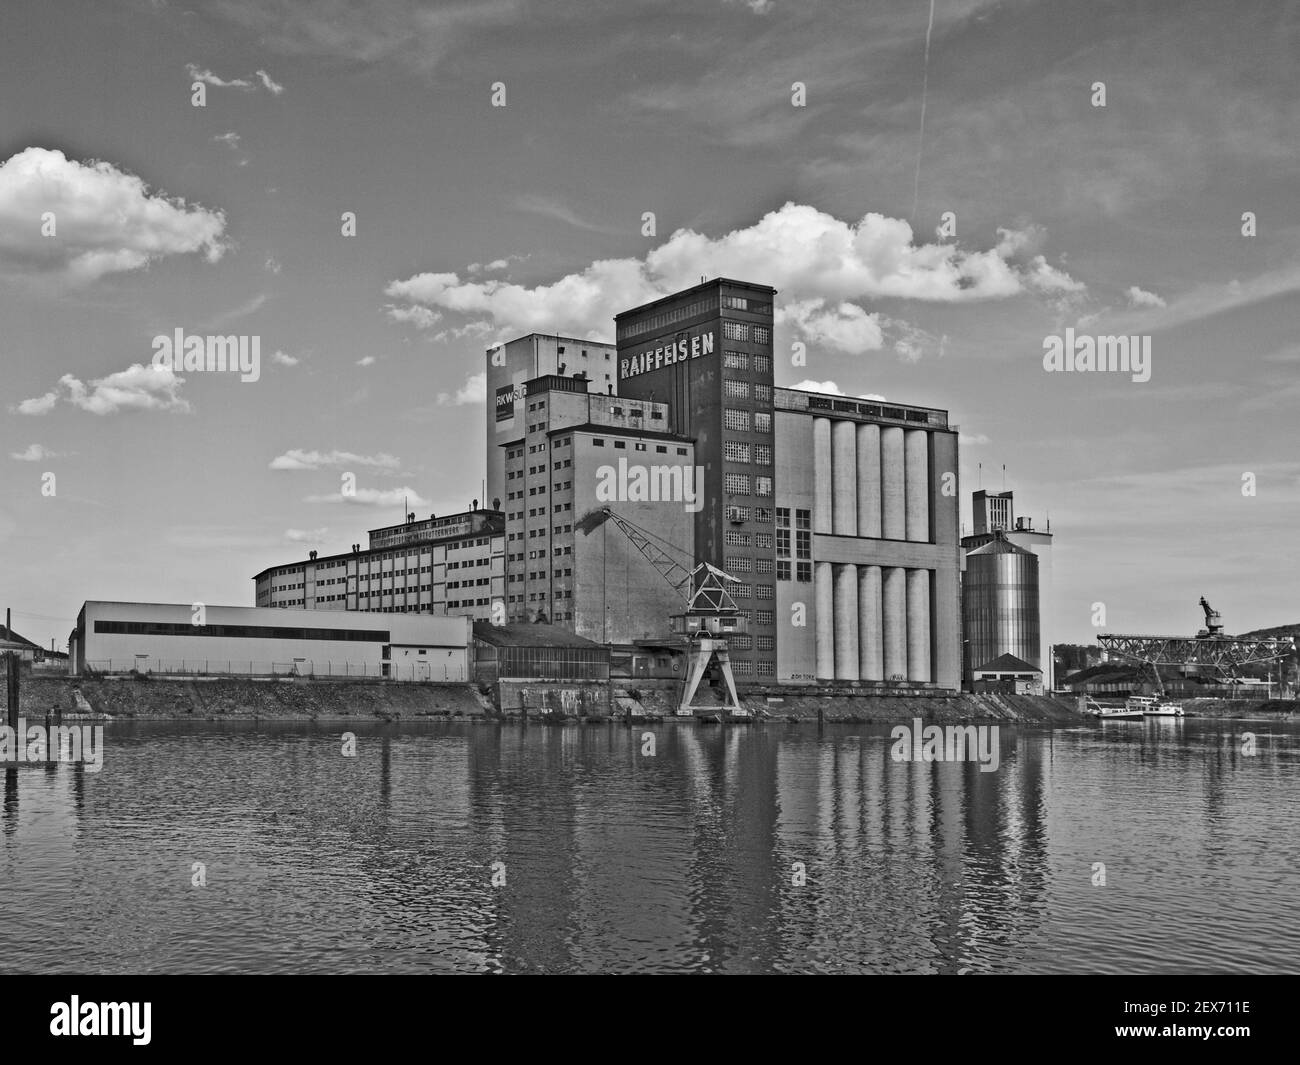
(458, 847)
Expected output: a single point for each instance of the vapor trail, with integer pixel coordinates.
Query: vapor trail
(925, 85)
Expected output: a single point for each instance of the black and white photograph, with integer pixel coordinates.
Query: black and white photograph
(735, 487)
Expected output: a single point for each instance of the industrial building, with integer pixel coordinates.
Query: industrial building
(837, 517)
(512, 365)
(993, 515)
(257, 641)
(452, 565)
(579, 452)
(1000, 606)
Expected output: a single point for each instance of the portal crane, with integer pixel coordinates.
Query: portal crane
(1213, 621)
(711, 614)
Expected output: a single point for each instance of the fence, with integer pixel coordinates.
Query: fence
(540, 663)
(415, 672)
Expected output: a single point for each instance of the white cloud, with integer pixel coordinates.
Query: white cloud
(366, 360)
(298, 459)
(33, 453)
(474, 390)
(39, 405)
(273, 87)
(272, 265)
(1140, 298)
(416, 315)
(306, 536)
(216, 81)
(282, 358)
(106, 221)
(230, 139)
(135, 388)
(823, 269)
(375, 497)
(828, 387)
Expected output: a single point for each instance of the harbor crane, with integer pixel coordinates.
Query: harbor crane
(711, 615)
(1210, 650)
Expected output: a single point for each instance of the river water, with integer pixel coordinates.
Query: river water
(779, 848)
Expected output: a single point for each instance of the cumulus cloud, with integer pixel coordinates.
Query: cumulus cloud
(272, 265)
(375, 497)
(283, 358)
(830, 388)
(306, 536)
(33, 453)
(1141, 298)
(366, 360)
(105, 220)
(416, 315)
(135, 388)
(269, 84)
(474, 390)
(823, 268)
(298, 459)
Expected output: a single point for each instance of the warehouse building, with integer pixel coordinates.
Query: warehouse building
(450, 565)
(115, 637)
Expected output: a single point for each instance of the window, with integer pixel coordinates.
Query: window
(762, 334)
(763, 454)
(738, 564)
(735, 513)
(762, 486)
(762, 421)
(681, 451)
(740, 642)
(734, 538)
(763, 364)
(736, 420)
(742, 667)
(762, 565)
(735, 360)
(621, 445)
(736, 451)
(783, 570)
(763, 393)
(766, 667)
(735, 330)
(765, 617)
(736, 484)
(735, 389)
(742, 591)
(763, 514)
(765, 591)
(640, 447)
(763, 541)
(660, 449)
(803, 571)
(597, 442)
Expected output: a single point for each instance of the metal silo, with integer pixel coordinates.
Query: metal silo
(1000, 604)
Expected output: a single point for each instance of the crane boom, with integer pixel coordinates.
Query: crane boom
(677, 575)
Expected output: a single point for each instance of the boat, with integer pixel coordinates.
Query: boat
(1163, 709)
(1114, 713)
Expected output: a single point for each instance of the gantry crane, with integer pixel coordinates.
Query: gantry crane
(711, 614)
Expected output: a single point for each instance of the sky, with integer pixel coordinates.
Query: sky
(935, 190)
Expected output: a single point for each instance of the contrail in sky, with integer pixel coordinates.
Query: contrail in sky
(925, 85)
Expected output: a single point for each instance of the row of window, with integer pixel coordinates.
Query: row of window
(739, 421)
(738, 484)
(742, 451)
(759, 334)
(743, 360)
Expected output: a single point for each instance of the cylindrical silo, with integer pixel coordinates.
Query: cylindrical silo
(869, 480)
(844, 478)
(917, 478)
(871, 647)
(822, 475)
(892, 500)
(846, 621)
(824, 591)
(894, 607)
(1000, 604)
(918, 625)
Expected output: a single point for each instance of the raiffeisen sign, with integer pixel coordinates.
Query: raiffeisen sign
(685, 347)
